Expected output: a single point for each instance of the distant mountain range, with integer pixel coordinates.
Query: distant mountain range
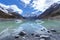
(53, 12)
(32, 15)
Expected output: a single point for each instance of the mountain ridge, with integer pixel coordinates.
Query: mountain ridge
(51, 12)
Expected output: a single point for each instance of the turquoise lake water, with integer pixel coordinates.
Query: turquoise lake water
(49, 24)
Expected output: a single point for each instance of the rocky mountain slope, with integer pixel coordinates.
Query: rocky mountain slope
(53, 12)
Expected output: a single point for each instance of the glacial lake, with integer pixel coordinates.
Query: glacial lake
(49, 24)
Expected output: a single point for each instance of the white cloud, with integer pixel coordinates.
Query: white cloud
(38, 4)
(42, 5)
(49, 2)
(26, 1)
(3, 7)
(13, 7)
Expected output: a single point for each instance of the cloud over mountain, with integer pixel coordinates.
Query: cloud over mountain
(11, 8)
(40, 5)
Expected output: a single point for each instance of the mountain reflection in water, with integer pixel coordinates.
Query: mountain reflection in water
(29, 27)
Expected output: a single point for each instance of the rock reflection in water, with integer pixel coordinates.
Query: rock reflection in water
(29, 28)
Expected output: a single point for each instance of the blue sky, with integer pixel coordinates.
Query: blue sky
(30, 6)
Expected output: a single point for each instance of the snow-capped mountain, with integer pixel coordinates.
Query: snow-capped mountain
(52, 12)
(9, 12)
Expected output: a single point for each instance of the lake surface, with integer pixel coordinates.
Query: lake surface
(49, 24)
